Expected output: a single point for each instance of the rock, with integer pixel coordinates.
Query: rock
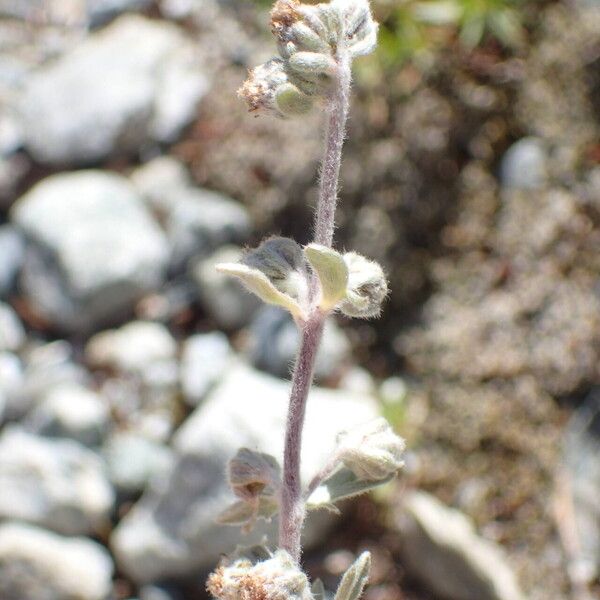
(157, 179)
(46, 367)
(133, 461)
(70, 411)
(524, 165)
(159, 592)
(201, 221)
(204, 361)
(198, 221)
(274, 341)
(111, 93)
(11, 381)
(581, 460)
(171, 530)
(224, 298)
(55, 483)
(132, 348)
(97, 255)
(12, 250)
(39, 565)
(12, 334)
(101, 11)
(441, 548)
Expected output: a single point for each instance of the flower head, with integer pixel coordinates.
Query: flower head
(274, 578)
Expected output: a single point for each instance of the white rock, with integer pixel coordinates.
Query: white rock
(204, 361)
(55, 483)
(223, 297)
(37, 564)
(132, 348)
(200, 221)
(524, 165)
(12, 249)
(273, 342)
(45, 367)
(12, 334)
(133, 461)
(171, 530)
(94, 249)
(440, 547)
(11, 383)
(70, 411)
(113, 93)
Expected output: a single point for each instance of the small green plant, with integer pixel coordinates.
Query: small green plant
(316, 44)
(416, 28)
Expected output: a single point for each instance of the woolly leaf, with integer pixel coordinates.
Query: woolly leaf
(340, 485)
(332, 272)
(355, 578)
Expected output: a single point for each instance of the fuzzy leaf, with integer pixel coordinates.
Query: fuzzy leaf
(318, 590)
(355, 578)
(241, 513)
(332, 271)
(258, 283)
(342, 484)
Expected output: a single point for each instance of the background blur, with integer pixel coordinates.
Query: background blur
(130, 371)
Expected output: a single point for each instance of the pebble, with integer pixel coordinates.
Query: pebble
(97, 255)
(40, 565)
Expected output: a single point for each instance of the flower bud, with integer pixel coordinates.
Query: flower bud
(268, 88)
(367, 287)
(282, 261)
(371, 451)
(275, 578)
(253, 473)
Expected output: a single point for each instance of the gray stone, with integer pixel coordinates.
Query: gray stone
(132, 348)
(59, 484)
(204, 361)
(441, 548)
(11, 383)
(274, 341)
(101, 11)
(70, 411)
(112, 93)
(171, 530)
(45, 367)
(39, 565)
(158, 179)
(133, 461)
(524, 165)
(224, 298)
(93, 248)
(581, 459)
(12, 334)
(200, 221)
(12, 250)
(159, 592)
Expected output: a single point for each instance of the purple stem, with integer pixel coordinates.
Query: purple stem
(292, 509)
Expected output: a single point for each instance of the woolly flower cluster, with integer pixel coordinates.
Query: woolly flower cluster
(276, 577)
(311, 40)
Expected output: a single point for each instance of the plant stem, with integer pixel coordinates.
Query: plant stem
(292, 509)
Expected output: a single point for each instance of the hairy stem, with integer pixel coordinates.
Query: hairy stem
(292, 502)
(292, 509)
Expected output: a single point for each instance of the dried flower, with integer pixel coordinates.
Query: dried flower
(276, 578)
(251, 474)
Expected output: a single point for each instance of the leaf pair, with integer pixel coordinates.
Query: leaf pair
(277, 272)
(255, 478)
